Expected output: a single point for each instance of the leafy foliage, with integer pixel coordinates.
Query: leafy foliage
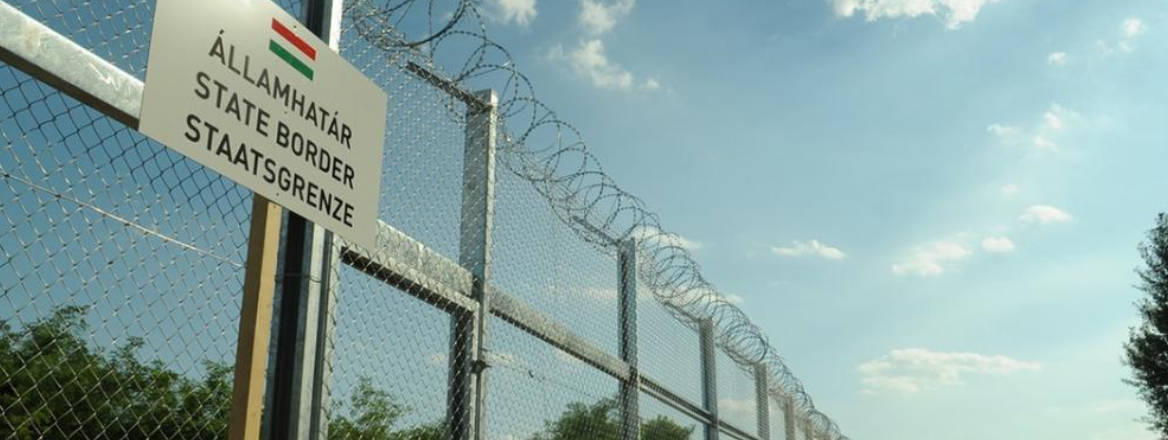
(1147, 346)
(601, 420)
(661, 428)
(372, 414)
(53, 385)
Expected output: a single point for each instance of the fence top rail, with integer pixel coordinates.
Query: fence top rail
(29, 45)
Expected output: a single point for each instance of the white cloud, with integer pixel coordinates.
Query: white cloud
(1044, 214)
(704, 294)
(1042, 142)
(930, 260)
(657, 236)
(589, 61)
(519, 12)
(913, 370)
(1130, 30)
(598, 17)
(1132, 27)
(1057, 59)
(998, 245)
(954, 12)
(1004, 131)
(1055, 120)
(651, 84)
(811, 248)
(1010, 190)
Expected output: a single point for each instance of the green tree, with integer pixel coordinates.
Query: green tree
(661, 428)
(371, 416)
(601, 420)
(1147, 346)
(55, 386)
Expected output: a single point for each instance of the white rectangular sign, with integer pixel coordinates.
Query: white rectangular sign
(243, 88)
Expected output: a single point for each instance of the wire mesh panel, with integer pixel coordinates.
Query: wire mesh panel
(539, 392)
(737, 402)
(775, 415)
(389, 362)
(661, 422)
(543, 262)
(425, 133)
(669, 350)
(120, 278)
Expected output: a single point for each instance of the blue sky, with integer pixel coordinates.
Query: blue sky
(931, 206)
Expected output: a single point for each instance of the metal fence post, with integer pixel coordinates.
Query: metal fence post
(466, 398)
(630, 390)
(327, 17)
(300, 371)
(318, 406)
(762, 399)
(789, 418)
(302, 310)
(709, 377)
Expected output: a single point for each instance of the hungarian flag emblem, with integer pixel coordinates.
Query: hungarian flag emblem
(302, 48)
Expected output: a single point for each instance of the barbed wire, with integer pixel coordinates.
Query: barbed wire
(551, 154)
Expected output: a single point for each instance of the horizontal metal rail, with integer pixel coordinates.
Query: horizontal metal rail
(56, 60)
(448, 86)
(734, 431)
(673, 400)
(528, 319)
(407, 264)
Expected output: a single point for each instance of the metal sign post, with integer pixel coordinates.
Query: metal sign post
(255, 321)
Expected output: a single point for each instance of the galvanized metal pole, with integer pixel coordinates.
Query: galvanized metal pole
(466, 398)
(762, 400)
(709, 377)
(630, 389)
(789, 418)
(299, 376)
(327, 18)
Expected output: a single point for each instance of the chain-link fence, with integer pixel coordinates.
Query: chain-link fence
(515, 292)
